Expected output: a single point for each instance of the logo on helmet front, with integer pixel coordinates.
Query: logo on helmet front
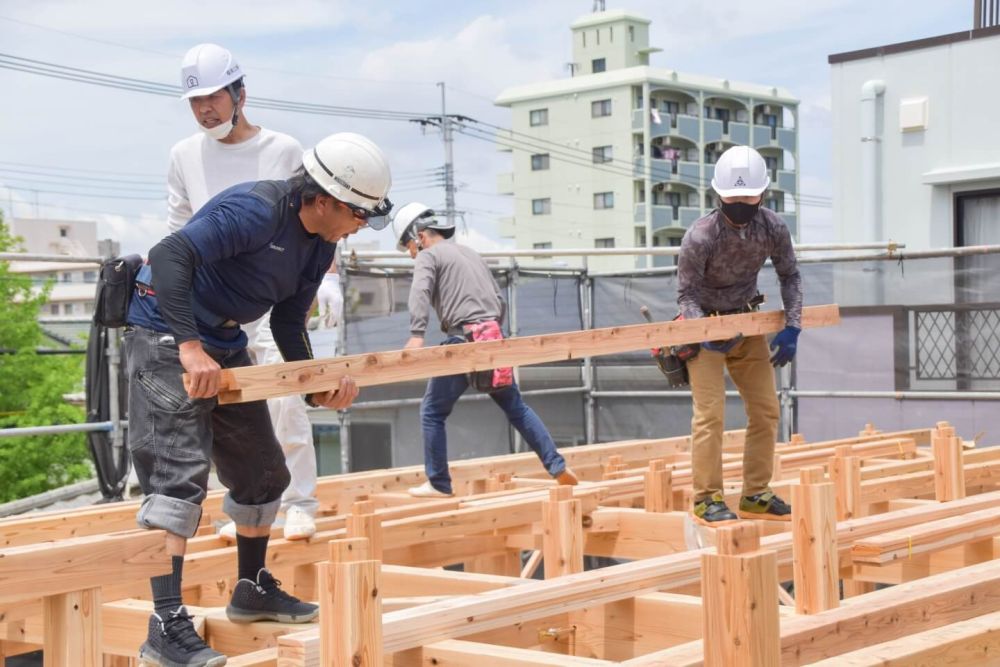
(739, 182)
(192, 82)
(348, 174)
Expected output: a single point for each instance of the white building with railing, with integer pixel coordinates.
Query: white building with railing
(621, 154)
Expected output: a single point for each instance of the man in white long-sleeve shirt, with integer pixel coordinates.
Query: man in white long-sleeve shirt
(227, 151)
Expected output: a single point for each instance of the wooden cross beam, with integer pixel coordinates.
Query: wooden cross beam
(255, 383)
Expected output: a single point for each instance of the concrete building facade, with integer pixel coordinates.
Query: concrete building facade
(916, 151)
(581, 147)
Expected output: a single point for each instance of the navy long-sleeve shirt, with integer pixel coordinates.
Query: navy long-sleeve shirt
(243, 253)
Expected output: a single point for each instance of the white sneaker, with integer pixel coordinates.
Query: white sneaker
(228, 532)
(298, 524)
(425, 490)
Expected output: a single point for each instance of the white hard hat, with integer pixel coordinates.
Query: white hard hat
(353, 169)
(207, 68)
(413, 218)
(740, 172)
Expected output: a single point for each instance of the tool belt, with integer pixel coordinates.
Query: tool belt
(495, 379)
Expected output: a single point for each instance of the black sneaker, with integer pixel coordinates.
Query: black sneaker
(713, 511)
(264, 600)
(173, 642)
(765, 506)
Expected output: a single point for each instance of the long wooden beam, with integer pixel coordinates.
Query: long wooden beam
(931, 536)
(270, 381)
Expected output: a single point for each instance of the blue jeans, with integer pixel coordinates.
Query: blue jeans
(439, 399)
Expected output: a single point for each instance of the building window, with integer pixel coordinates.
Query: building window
(90, 276)
(640, 237)
(541, 206)
(88, 308)
(602, 154)
(600, 108)
(64, 232)
(583, 33)
(539, 162)
(604, 200)
(631, 33)
(604, 243)
(538, 117)
(611, 34)
(542, 246)
(67, 277)
(67, 309)
(54, 308)
(598, 65)
(597, 35)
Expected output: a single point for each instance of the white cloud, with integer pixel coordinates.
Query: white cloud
(168, 20)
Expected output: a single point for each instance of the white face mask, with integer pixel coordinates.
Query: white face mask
(220, 131)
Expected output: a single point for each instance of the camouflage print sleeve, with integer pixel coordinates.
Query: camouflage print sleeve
(787, 268)
(691, 276)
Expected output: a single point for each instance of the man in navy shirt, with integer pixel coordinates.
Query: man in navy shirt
(254, 247)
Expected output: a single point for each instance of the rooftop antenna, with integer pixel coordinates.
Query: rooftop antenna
(598, 6)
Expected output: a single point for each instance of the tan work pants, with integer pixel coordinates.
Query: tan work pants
(750, 368)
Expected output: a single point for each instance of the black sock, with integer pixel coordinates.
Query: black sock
(167, 588)
(251, 552)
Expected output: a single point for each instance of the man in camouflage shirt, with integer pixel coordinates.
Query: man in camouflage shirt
(721, 256)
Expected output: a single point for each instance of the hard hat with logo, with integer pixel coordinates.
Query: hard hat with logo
(413, 219)
(353, 170)
(207, 68)
(740, 172)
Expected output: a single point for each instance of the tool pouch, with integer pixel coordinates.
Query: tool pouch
(495, 379)
(115, 286)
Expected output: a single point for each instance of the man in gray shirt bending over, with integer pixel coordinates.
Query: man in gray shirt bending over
(721, 255)
(455, 281)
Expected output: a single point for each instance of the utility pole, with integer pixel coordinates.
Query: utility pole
(446, 124)
(449, 165)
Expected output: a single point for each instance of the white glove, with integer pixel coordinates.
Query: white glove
(331, 301)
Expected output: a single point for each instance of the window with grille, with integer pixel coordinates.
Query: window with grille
(598, 65)
(602, 154)
(539, 162)
(541, 206)
(604, 200)
(538, 117)
(600, 108)
(604, 243)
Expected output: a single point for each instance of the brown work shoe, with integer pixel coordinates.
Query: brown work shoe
(567, 478)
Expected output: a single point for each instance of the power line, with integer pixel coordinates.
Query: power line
(87, 170)
(97, 182)
(538, 145)
(82, 194)
(79, 75)
(311, 75)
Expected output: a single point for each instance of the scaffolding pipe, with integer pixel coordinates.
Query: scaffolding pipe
(901, 395)
(56, 430)
(38, 257)
(367, 255)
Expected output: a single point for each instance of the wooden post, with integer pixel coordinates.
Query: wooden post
(72, 629)
(949, 470)
(659, 491)
(350, 606)
(739, 591)
(499, 482)
(815, 566)
(562, 542)
(363, 522)
(845, 471)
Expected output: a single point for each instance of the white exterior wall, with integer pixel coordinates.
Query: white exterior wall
(573, 222)
(920, 171)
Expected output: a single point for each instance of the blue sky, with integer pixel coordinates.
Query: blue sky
(385, 55)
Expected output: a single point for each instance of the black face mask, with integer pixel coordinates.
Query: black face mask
(740, 214)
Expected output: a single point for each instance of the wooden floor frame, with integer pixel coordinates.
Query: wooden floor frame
(917, 512)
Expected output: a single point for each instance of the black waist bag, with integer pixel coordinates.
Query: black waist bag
(115, 286)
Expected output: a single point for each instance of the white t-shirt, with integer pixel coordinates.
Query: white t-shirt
(201, 167)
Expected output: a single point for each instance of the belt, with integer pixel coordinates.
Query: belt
(750, 306)
(142, 288)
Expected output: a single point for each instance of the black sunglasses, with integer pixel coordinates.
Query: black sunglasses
(377, 219)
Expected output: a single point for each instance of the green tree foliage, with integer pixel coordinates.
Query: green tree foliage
(31, 391)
